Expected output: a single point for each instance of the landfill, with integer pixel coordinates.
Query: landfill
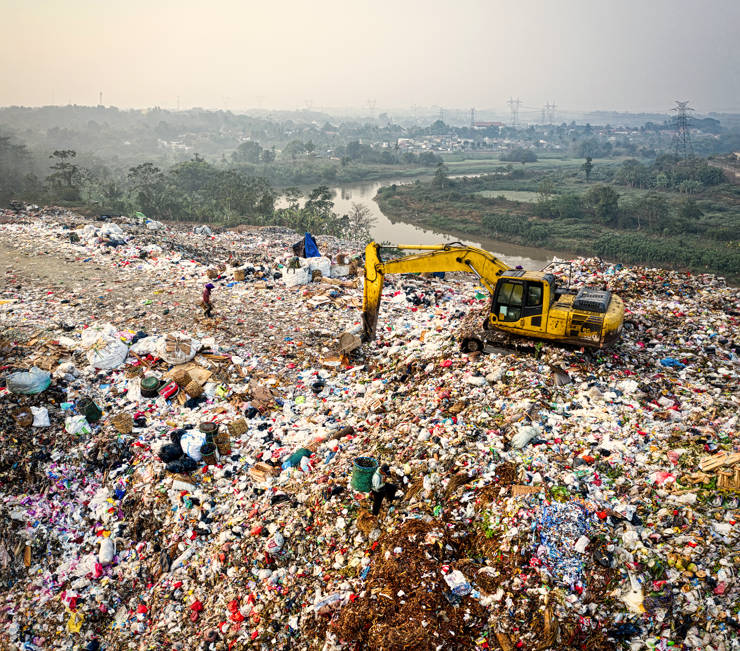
(172, 481)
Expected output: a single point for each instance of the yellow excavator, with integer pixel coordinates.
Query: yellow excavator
(524, 303)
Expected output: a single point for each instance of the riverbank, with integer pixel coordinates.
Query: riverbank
(473, 216)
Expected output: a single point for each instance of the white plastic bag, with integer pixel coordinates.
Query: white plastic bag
(321, 264)
(458, 583)
(108, 353)
(77, 425)
(191, 442)
(185, 348)
(40, 417)
(525, 434)
(339, 270)
(295, 277)
(107, 551)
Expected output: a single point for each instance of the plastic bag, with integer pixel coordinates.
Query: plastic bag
(191, 442)
(177, 348)
(458, 583)
(28, 382)
(295, 277)
(108, 354)
(339, 270)
(40, 417)
(525, 434)
(77, 425)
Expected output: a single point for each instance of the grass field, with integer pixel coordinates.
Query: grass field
(512, 195)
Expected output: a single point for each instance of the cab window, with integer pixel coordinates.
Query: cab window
(534, 294)
(510, 301)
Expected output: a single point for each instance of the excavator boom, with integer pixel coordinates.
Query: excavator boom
(440, 257)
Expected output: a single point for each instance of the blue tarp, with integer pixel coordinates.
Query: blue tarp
(311, 250)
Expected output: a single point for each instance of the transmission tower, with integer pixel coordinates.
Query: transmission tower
(682, 140)
(545, 111)
(514, 106)
(472, 117)
(371, 105)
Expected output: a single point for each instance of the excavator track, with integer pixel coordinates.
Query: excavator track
(474, 338)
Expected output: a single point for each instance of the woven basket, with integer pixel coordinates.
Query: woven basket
(123, 422)
(237, 427)
(212, 274)
(223, 443)
(182, 378)
(239, 274)
(193, 389)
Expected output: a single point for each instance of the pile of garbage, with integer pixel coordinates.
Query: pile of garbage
(170, 481)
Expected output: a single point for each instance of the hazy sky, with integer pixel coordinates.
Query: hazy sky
(236, 54)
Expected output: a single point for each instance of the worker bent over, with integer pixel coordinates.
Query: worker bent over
(206, 302)
(380, 489)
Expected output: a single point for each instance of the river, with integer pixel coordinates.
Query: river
(401, 233)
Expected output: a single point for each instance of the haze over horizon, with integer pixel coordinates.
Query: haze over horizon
(228, 54)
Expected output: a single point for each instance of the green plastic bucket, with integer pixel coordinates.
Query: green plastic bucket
(362, 473)
(149, 386)
(91, 411)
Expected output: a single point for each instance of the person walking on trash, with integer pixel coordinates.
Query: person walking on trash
(205, 302)
(380, 489)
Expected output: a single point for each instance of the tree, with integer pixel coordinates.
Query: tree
(66, 176)
(545, 189)
(689, 211)
(320, 200)
(293, 149)
(588, 167)
(147, 181)
(268, 155)
(633, 173)
(519, 155)
(360, 222)
(249, 152)
(653, 210)
(309, 147)
(441, 180)
(604, 202)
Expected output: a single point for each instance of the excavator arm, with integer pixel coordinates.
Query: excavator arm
(440, 257)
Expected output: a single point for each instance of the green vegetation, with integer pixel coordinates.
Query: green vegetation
(658, 223)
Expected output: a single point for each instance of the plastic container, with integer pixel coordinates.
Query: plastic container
(210, 429)
(89, 409)
(169, 391)
(362, 473)
(149, 386)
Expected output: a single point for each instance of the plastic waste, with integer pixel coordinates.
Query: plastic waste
(40, 417)
(28, 382)
(77, 425)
